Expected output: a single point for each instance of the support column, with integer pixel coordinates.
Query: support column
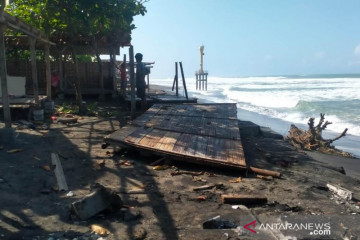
(3, 75)
(132, 81)
(34, 71)
(48, 71)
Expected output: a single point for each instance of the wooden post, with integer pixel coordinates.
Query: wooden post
(121, 80)
(183, 79)
(148, 82)
(113, 69)
(196, 75)
(61, 72)
(173, 83)
(176, 79)
(34, 70)
(48, 71)
(132, 81)
(3, 75)
(206, 82)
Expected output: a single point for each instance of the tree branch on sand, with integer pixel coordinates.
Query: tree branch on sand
(311, 139)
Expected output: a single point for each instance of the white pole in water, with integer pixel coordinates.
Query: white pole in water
(201, 71)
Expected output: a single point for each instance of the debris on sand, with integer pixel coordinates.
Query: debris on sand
(99, 200)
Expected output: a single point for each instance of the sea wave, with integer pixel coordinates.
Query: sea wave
(294, 100)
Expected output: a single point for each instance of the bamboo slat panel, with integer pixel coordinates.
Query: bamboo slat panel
(207, 134)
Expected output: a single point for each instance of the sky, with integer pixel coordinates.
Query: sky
(250, 37)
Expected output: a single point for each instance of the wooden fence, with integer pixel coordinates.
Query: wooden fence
(88, 72)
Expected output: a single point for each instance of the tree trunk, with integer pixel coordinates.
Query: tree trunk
(312, 138)
(82, 108)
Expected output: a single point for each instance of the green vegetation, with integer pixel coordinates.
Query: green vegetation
(92, 109)
(70, 23)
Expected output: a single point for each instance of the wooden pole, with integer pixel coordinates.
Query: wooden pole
(265, 172)
(113, 69)
(176, 79)
(183, 79)
(243, 199)
(148, 82)
(173, 83)
(126, 83)
(48, 71)
(132, 81)
(34, 70)
(3, 75)
(196, 80)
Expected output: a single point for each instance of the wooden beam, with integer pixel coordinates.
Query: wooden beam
(34, 70)
(183, 79)
(265, 172)
(132, 81)
(176, 79)
(48, 71)
(243, 199)
(3, 75)
(59, 173)
(18, 25)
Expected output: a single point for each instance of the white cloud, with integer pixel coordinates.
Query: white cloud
(357, 50)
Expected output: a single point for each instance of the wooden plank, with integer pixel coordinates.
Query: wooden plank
(59, 173)
(152, 138)
(201, 146)
(121, 134)
(181, 143)
(243, 199)
(137, 135)
(217, 110)
(167, 142)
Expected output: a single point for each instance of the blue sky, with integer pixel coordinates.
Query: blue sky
(250, 37)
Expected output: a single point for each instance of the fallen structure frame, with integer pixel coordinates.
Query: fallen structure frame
(200, 133)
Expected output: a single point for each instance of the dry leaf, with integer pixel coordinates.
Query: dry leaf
(239, 179)
(14, 150)
(37, 158)
(198, 179)
(210, 174)
(161, 167)
(201, 198)
(55, 188)
(46, 168)
(127, 163)
(99, 230)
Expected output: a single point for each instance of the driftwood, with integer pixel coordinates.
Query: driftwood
(311, 139)
(243, 199)
(265, 172)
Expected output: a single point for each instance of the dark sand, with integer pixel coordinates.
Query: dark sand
(169, 209)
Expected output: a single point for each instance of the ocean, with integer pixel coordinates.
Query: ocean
(278, 102)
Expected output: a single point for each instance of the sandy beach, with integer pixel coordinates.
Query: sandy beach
(158, 204)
